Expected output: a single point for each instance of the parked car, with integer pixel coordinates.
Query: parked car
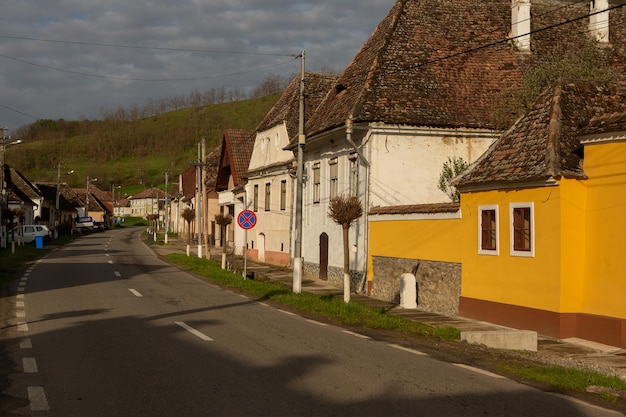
(99, 226)
(31, 231)
(85, 224)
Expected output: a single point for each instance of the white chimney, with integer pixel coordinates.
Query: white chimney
(520, 25)
(599, 20)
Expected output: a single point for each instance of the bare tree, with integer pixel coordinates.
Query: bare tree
(223, 220)
(344, 210)
(188, 214)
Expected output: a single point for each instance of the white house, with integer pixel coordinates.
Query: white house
(269, 189)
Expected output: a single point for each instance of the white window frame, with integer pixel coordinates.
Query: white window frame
(482, 251)
(531, 252)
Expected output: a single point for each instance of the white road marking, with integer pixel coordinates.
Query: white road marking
(264, 304)
(20, 289)
(20, 313)
(19, 304)
(26, 344)
(135, 292)
(287, 312)
(110, 262)
(194, 331)
(117, 274)
(479, 371)
(362, 336)
(416, 352)
(20, 296)
(38, 400)
(30, 365)
(243, 296)
(319, 323)
(22, 326)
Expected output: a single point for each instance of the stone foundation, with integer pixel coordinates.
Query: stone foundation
(438, 283)
(335, 275)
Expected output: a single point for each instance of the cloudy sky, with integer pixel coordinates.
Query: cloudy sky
(75, 58)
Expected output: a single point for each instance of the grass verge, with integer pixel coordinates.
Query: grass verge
(326, 306)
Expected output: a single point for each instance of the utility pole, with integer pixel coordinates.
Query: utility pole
(297, 255)
(167, 219)
(199, 199)
(89, 181)
(3, 241)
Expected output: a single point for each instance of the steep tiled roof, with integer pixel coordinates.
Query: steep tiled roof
(613, 122)
(49, 192)
(545, 143)
(212, 165)
(237, 147)
(287, 108)
(415, 68)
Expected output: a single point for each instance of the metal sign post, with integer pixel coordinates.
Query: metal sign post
(246, 220)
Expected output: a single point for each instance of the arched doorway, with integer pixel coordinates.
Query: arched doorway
(324, 256)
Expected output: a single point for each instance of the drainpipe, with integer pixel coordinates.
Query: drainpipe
(366, 164)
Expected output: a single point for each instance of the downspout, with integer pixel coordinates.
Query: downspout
(366, 164)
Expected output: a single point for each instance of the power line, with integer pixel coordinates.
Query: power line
(110, 77)
(19, 112)
(156, 48)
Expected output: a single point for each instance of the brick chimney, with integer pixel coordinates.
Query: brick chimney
(520, 25)
(599, 20)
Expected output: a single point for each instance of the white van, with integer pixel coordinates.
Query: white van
(84, 224)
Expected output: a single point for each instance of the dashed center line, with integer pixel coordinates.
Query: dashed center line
(30, 365)
(22, 326)
(26, 344)
(117, 274)
(413, 351)
(38, 400)
(362, 336)
(478, 371)
(194, 331)
(135, 292)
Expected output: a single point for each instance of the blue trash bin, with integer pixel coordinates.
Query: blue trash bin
(39, 242)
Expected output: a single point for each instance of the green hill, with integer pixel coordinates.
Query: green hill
(134, 154)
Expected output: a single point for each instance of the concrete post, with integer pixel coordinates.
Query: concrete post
(408, 291)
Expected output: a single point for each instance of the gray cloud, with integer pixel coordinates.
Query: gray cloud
(249, 39)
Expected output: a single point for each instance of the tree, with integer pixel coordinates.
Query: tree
(188, 214)
(451, 168)
(344, 211)
(223, 220)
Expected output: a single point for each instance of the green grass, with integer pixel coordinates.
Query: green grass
(565, 378)
(325, 306)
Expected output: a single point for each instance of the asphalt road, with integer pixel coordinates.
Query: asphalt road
(103, 327)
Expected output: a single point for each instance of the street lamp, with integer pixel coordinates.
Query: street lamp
(3, 192)
(89, 181)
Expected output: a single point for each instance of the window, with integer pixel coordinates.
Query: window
(316, 183)
(354, 175)
(522, 230)
(488, 235)
(255, 204)
(334, 180)
(283, 195)
(268, 190)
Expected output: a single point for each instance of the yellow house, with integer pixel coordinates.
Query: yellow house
(538, 236)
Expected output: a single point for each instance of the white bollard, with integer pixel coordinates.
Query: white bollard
(408, 291)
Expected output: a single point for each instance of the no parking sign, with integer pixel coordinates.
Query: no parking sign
(246, 219)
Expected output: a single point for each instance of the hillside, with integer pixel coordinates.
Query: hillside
(135, 154)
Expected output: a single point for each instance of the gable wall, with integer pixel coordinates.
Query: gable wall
(406, 163)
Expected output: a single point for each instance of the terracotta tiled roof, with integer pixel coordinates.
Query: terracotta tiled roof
(415, 69)
(189, 182)
(417, 209)
(237, 147)
(287, 108)
(606, 123)
(150, 193)
(545, 143)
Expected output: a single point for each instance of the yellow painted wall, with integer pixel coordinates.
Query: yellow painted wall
(436, 240)
(532, 282)
(605, 270)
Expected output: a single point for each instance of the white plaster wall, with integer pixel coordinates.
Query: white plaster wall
(268, 147)
(406, 163)
(315, 215)
(275, 224)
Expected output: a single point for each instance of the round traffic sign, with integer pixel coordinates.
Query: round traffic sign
(246, 219)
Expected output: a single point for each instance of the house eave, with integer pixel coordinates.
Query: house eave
(597, 138)
(501, 185)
